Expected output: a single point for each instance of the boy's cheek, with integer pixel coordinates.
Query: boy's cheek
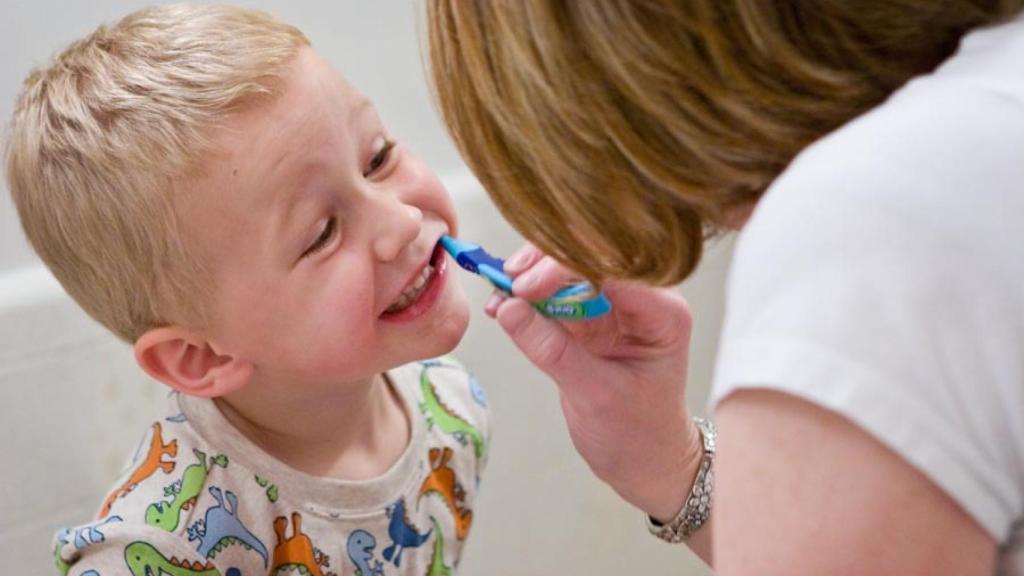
(334, 325)
(337, 356)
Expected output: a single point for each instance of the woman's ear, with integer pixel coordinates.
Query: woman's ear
(187, 362)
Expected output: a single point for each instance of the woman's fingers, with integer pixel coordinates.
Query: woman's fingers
(522, 259)
(543, 341)
(491, 308)
(545, 277)
(535, 275)
(654, 318)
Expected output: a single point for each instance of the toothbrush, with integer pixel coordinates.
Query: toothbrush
(576, 302)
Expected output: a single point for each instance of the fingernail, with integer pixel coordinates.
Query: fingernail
(524, 283)
(516, 316)
(515, 262)
(493, 302)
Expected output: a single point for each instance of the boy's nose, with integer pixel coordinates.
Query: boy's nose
(398, 226)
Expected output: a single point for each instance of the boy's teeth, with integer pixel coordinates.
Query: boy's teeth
(413, 291)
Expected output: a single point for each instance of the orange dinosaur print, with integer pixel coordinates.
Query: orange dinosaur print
(298, 550)
(154, 460)
(442, 481)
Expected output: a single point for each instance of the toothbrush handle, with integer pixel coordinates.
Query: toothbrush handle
(575, 302)
(566, 304)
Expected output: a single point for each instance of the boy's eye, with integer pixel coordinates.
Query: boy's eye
(380, 158)
(325, 236)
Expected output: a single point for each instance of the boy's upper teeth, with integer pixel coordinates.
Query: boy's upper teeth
(413, 291)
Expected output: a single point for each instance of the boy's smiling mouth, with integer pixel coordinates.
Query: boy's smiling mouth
(421, 292)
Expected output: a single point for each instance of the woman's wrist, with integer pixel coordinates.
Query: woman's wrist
(696, 511)
(660, 489)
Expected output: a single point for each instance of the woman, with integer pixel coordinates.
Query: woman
(869, 387)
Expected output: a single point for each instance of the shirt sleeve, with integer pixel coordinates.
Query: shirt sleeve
(868, 283)
(157, 520)
(113, 548)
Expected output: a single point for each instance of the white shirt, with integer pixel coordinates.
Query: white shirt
(882, 277)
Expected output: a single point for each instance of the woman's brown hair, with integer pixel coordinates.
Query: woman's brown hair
(618, 134)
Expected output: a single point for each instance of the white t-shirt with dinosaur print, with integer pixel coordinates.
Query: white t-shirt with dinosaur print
(199, 499)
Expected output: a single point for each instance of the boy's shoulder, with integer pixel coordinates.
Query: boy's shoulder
(164, 476)
(445, 374)
(451, 403)
(445, 392)
(175, 504)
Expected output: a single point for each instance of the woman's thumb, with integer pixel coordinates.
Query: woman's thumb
(542, 340)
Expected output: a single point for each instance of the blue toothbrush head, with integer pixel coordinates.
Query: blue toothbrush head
(576, 302)
(454, 246)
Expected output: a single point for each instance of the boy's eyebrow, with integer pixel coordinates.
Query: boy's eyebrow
(291, 196)
(290, 171)
(295, 182)
(293, 193)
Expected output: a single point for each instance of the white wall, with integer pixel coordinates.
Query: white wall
(73, 405)
(375, 44)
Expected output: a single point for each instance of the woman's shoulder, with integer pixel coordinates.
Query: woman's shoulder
(938, 164)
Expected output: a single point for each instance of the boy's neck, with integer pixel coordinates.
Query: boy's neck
(355, 432)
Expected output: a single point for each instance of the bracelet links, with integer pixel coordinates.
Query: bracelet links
(697, 508)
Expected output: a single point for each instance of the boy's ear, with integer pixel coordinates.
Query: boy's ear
(187, 362)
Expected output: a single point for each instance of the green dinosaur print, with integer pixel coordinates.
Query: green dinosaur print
(145, 560)
(437, 567)
(62, 566)
(166, 515)
(446, 419)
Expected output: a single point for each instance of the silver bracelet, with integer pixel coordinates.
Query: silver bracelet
(697, 508)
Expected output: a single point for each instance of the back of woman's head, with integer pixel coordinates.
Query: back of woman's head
(618, 134)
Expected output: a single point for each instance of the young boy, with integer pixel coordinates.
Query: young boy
(210, 189)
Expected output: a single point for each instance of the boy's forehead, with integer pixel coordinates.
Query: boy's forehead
(313, 103)
(311, 93)
(263, 155)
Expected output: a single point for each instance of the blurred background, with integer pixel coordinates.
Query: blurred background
(73, 405)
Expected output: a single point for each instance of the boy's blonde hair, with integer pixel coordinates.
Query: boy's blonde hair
(103, 136)
(618, 134)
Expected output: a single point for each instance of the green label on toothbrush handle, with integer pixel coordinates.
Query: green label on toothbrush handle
(561, 310)
(578, 302)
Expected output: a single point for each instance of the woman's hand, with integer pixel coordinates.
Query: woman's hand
(621, 379)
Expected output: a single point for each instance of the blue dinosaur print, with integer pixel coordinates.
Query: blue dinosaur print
(87, 535)
(177, 418)
(222, 527)
(477, 391)
(91, 534)
(82, 537)
(91, 573)
(360, 549)
(403, 534)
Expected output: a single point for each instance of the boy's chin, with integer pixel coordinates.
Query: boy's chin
(443, 334)
(451, 330)
(447, 334)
